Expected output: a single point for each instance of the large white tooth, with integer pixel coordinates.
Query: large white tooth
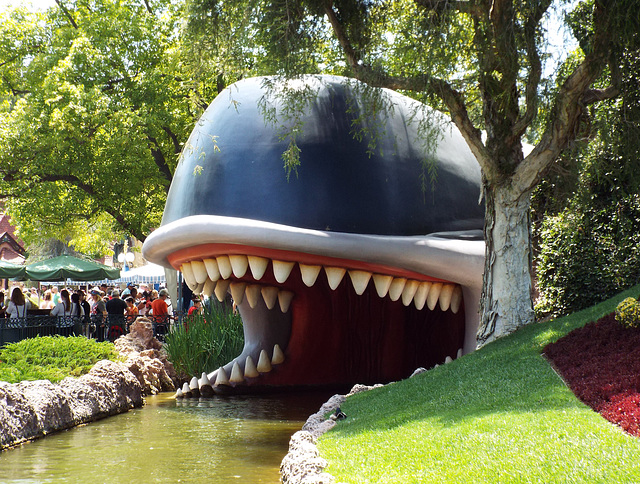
(448, 360)
(221, 289)
(456, 299)
(278, 355)
(334, 276)
(208, 287)
(193, 384)
(239, 265)
(281, 270)
(309, 274)
(270, 296)
(198, 289)
(264, 364)
(258, 266)
(199, 271)
(194, 387)
(186, 390)
(359, 280)
(204, 380)
(382, 283)
(179, 393)
(237, 291)
(224, 265)
(252, 293)
(250, 370)
(284, 299)
(445, 296)
(434, 294)
(204, 386)
(221, 378)
(187, 273)
(212, 269)
(421, 294)
(236, 374)
(459, 353)
(409, 291)
(397, 285)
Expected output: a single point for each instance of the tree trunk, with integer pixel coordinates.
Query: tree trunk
(506, 299)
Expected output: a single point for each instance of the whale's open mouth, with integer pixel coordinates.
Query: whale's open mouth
(338, 312)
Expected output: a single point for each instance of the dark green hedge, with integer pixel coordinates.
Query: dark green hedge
(588, 256)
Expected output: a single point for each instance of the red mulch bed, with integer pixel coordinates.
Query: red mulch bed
(601, 364)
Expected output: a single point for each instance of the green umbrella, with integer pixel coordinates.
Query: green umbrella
(9, 270)
(69, 267)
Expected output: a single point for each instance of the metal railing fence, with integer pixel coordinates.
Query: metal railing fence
(13, 330)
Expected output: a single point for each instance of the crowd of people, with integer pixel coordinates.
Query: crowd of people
(104, 313)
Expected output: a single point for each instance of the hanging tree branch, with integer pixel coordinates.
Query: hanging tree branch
(572, 98)
(67, 13)
(420, 83)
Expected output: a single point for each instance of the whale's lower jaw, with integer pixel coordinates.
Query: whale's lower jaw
(313, 314)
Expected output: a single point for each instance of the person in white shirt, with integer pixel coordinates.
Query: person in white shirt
(18, 305)
(66, 307)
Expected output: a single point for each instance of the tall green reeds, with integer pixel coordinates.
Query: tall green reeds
(203, 343)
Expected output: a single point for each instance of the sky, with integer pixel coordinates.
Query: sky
(39, 4)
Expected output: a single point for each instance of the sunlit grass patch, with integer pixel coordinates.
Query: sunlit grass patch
(52, 358)
(500, 414)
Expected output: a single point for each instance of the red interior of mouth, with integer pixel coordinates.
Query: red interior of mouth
(341, 338)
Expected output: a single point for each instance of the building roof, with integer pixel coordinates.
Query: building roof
(11, 249)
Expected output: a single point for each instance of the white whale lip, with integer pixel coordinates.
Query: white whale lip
(456, 258)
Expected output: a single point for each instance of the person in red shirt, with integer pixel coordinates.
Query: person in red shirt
(197, 306)
(160, 311)
(159, 307)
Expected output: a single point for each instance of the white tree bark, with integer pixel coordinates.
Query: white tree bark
(506, 303)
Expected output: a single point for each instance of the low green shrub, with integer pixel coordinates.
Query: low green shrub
(52, 358)
(628, 313)
(205, 342)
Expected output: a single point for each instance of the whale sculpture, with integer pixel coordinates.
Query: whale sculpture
(348, 271)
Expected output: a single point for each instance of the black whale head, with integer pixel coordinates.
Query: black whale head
(354, 269)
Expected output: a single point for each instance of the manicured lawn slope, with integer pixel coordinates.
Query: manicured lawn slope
(500, 414)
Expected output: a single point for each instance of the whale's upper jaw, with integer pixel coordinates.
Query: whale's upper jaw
(343, 308)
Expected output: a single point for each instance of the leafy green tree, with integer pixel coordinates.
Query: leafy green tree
(481, 61)
(95, 109)
(589, 207)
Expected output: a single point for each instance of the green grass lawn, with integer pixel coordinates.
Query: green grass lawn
(500, 414)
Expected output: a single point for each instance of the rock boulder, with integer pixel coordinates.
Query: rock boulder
(32, 409)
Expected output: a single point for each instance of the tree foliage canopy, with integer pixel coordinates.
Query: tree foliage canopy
(94, 114)
(588, 206)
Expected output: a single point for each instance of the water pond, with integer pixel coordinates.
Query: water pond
(222, 440)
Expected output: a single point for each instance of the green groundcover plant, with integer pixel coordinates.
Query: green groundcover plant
(500, 415)
(52, 358)
(205, 342)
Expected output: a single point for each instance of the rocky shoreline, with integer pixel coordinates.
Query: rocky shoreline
(303, 464)
(33, 409)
